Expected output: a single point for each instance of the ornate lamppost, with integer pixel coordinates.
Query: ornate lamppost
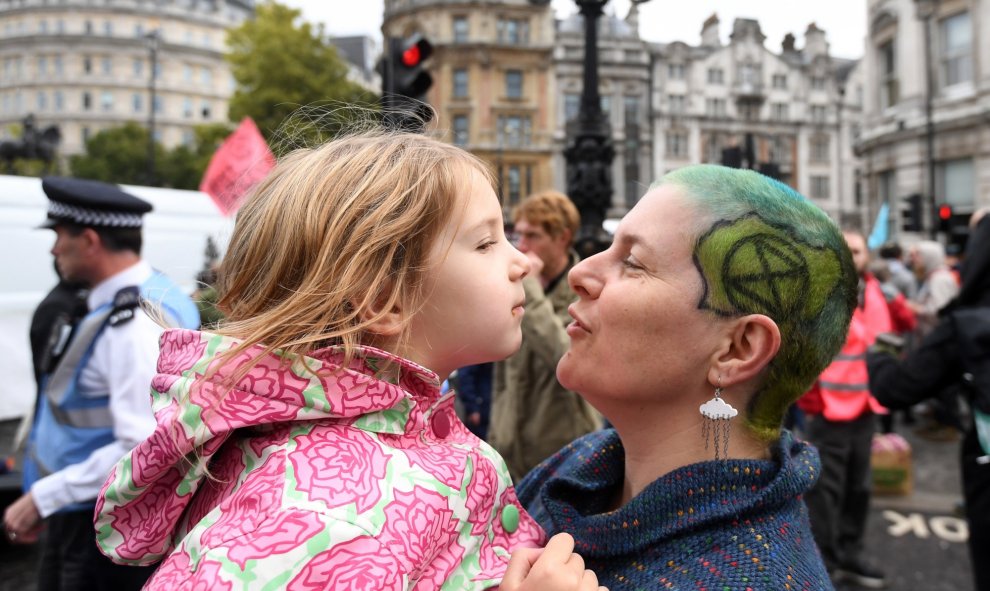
(589, 152)
(925, 11)
(153, 40)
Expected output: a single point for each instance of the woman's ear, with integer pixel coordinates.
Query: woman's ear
(753, 343)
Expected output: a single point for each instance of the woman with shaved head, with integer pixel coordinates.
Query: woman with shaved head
(723, 296)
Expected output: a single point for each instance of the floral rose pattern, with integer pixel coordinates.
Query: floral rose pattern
(270, 476)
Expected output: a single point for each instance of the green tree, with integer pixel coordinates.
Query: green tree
(280, 63)
(183, 166)
(117, 155)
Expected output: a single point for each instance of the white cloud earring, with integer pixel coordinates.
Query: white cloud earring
(717, 413)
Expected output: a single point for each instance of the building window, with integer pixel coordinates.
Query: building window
(715, 107)
(817, 83)
(675, 71)
(715, 75)
(956, 49)
(58, 100)
(43, 27)
(42, 101)
(513, 84)
(85, 135)
(106, 101)
(206, 109)
(107, 65)
(819, 148)
(42, 66)
(88, 27)
(137, 66)
(60, 26)
(206, 77)
(513, 131)
(630, 110)
(955, 182)
(819, 187)
(88, 65)
(187, 73)
(108, 28)
(137, 102)
(187, 108)
(606, 104)
(818, 113)
(780, 111)
(461, 130)
(159, 104)
(512, 31)
(461, 29)
(888, 74)
(572, 106)
(59, 66)
(677, 144)
(139, 30)
(780, 81)
(781, 150)
(676, 103)
(460, 83)
(87, 101)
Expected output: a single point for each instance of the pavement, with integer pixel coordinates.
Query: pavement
(918, 539)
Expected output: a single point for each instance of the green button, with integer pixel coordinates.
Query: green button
(510, 518)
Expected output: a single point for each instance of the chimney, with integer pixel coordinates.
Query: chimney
(709, 32)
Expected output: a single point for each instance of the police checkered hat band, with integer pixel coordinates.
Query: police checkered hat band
(93, 217)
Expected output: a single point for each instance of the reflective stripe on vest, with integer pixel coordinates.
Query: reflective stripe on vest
(57, 387)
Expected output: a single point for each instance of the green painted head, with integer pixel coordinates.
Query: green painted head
(762, 248)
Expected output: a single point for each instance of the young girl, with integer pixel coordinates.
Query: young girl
(306, 444)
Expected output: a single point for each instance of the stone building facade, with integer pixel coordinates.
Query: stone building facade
(894, 145)
(493, 84)
(85, 65)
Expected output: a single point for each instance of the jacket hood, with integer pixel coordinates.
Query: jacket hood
(198, 403)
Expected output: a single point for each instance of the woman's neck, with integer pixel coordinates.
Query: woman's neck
(656, 446)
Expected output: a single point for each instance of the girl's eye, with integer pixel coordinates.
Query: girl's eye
(487, 245)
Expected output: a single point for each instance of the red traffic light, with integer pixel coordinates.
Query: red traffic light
(944, 212)
(411, 57)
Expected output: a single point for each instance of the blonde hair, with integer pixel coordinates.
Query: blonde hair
(551, 210)
(336, 237)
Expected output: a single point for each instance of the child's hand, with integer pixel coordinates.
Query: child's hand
(553, 568)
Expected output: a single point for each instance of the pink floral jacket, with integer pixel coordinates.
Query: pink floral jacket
(308, 476)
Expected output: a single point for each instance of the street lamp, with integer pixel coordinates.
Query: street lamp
(925, 11)
(589, 150)
(153, 40)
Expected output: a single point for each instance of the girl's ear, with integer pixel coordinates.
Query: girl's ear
(752, 344)
(385, 323)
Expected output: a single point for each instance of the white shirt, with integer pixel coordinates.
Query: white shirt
(124, 360)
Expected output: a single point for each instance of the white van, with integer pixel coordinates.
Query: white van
(175, 239)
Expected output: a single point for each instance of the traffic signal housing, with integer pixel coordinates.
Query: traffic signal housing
(405, 82)
(945, 218)
(911, 214)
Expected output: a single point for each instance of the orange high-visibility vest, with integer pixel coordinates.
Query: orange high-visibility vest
(845, 385)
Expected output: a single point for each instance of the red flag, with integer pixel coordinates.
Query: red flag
(242, 160)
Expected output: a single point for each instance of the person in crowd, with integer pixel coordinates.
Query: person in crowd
(723, 296)
(955, 353)
(306, 443)
(937, 285)
(900, 276)
(532, 414)
(94, 405)
(842, 421)
(474, 389)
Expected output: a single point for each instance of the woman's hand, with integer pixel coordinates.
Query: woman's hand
(553, 568)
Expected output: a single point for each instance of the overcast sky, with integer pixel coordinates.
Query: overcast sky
(844, 21)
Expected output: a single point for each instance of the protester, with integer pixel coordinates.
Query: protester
(955, 353)
(306, 444)
(532, 414)
(900, 276)
(474, 390)
(94, 406)
(843, 418)
(719, 280)
(938, 286)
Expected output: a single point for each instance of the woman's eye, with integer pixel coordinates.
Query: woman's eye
(628, 262)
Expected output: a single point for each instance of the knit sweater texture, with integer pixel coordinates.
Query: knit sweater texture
(723, 525)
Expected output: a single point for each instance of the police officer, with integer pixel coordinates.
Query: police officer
(94, 404)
